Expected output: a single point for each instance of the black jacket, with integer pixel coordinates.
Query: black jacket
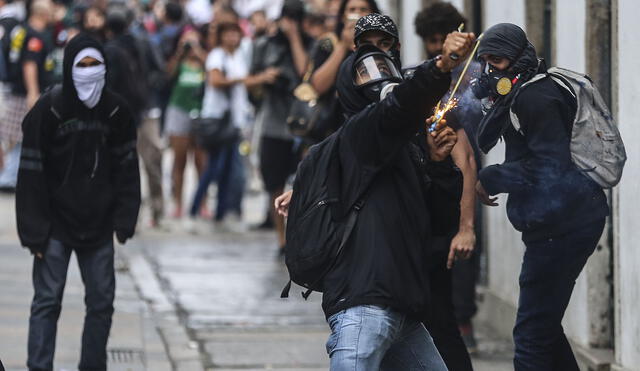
(385, 260)
(78, 180)
(548, 196)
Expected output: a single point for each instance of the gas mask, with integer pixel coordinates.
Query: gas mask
(493, 82)
(375, 73)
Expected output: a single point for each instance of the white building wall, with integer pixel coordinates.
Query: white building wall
(412, 49)
(569, 42)
(459, 4)
(628, 218)
(570, 34)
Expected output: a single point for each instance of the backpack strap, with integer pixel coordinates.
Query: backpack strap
(515, 122)
(348, 230)
(557, 78)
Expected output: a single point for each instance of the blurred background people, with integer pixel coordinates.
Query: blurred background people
(186, 68)
(30, 68)
(226, 98)
(131, 62)
(331, 50)
(287, 52)
(94, 22)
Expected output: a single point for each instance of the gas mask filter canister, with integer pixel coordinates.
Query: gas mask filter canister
(492, 82)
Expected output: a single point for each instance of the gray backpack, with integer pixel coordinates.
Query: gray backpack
(596, 145)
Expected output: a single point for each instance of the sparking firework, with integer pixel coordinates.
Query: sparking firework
(451, 103)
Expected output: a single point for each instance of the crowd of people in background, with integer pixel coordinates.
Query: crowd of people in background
(178, 61)
(240, 62)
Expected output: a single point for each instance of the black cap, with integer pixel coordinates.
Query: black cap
(376, 22)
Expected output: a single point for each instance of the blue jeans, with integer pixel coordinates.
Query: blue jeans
(371, 337)
(49, 279)
(224, 166)
(549, 271)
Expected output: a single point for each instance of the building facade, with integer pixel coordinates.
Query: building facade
(596, 37)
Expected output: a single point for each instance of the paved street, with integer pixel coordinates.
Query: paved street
(189, 301)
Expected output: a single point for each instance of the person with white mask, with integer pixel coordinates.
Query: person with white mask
(78, 185)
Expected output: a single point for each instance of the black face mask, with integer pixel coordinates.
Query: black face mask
(375, 72)
(493, 82)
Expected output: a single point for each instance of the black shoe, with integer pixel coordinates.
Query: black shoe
(264, 226)
(8, 189)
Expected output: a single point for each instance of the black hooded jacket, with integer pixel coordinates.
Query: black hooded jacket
(383, 156)
(78, 180)
(548, 196)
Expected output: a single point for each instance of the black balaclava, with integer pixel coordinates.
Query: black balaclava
(75, 46)
(509, 41)
(349, 96)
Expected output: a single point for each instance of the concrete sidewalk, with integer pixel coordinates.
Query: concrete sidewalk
(134, 343)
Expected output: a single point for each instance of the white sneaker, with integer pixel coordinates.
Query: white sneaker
(189, 225)
(234, 224)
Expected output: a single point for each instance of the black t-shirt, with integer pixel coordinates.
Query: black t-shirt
(38, 47)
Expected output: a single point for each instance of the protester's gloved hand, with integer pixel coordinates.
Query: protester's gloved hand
(121, 237)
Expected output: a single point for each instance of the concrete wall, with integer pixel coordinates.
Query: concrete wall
(569, 46)
(627, 231)
(569, 27)
(412, 49)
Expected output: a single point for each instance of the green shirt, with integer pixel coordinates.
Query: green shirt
(187, 93)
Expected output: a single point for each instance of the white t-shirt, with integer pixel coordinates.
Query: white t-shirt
(217, 101)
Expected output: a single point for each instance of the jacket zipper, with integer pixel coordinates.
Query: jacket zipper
(95, 164)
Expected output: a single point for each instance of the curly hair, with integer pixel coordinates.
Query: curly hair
(438, 18)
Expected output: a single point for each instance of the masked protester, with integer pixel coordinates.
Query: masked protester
(560, 212)
(376, 294)
(78, 183)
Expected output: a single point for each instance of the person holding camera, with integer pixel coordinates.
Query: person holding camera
(187, 69)
(284, 54)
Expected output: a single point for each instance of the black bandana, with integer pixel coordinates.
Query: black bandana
(509, 41)
(352, 100)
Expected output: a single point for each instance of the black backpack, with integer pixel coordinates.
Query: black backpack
(316, 232)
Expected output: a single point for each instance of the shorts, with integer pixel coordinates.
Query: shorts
(11, 116)
(177, 122)
(278, 160)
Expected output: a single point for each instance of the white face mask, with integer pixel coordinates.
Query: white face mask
(89, 81)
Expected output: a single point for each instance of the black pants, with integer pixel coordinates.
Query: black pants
(49, 278)
(550, 268)
(442, 324)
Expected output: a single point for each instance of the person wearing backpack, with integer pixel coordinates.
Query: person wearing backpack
(558, 207)
(399, 182)
(78, 185)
